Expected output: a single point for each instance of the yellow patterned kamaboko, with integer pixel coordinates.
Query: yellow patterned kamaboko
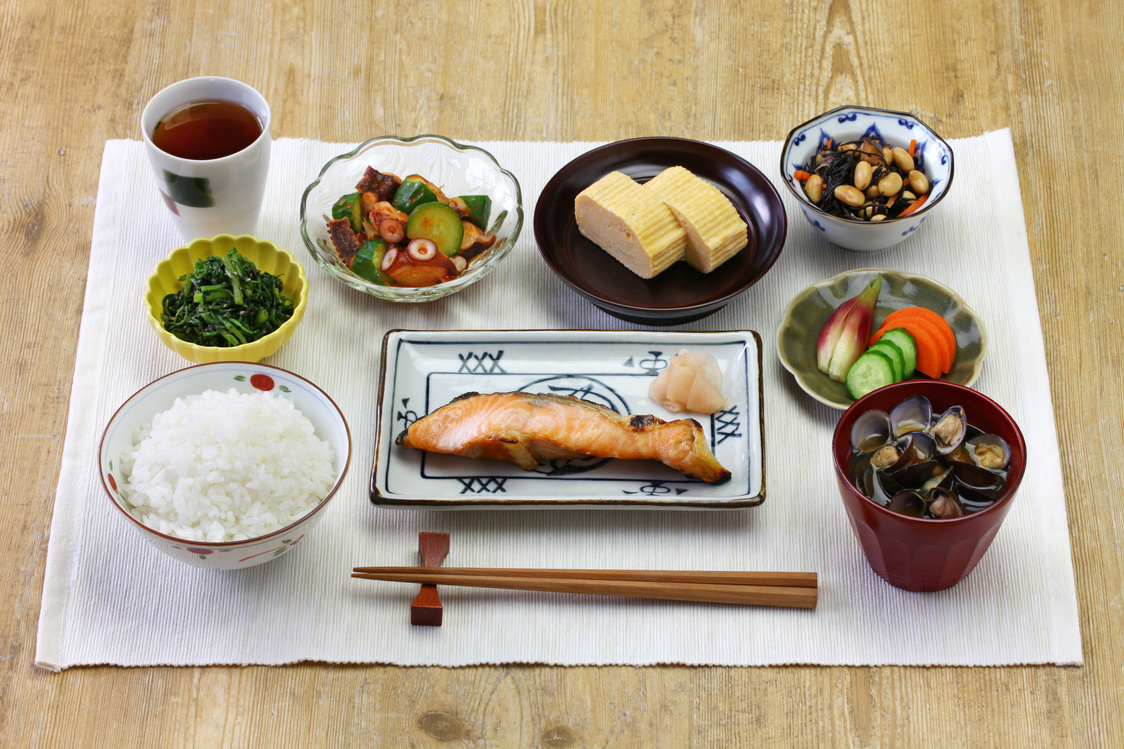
(626, 222)
(715, 231)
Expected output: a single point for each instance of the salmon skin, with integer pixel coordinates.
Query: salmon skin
(528, 428)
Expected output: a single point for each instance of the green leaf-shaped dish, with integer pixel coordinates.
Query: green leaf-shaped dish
(809, 310)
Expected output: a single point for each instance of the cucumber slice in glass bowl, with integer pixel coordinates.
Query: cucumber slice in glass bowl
(438, 223)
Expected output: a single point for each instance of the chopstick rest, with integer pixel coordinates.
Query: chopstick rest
(426, 609)
(788, 589)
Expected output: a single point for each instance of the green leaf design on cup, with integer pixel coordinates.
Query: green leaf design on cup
(194, 192)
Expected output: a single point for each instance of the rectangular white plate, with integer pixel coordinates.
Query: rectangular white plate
(424, 370)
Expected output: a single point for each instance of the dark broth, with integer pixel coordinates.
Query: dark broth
(208, 129)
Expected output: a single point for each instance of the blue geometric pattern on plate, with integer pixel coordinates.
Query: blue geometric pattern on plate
(424, 370)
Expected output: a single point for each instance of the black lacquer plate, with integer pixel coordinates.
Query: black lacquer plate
(680, 294)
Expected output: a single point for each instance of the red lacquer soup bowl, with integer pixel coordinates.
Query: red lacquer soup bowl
(927, 553)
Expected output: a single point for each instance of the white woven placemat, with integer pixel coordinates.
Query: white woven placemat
(111, 599)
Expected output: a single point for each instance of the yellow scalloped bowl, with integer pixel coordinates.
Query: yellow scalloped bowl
(266, 256)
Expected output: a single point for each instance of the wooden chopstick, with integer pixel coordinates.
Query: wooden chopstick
(728, 577)
(791, 589)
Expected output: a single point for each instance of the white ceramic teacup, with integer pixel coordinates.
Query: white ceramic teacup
(212, 196)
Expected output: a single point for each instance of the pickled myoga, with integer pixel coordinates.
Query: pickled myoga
(691, 382)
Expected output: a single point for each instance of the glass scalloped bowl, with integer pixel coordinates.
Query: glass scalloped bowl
(265, 255)
(458, 169)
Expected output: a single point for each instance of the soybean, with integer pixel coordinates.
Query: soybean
(919, 182)
(862, 175)
(813, 188)
(891, 184)
(902, 159)
(850, 195)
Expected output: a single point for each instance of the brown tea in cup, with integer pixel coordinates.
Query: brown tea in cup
(208, 142)
(207, 129)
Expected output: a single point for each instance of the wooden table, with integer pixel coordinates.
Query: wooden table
(76, 74)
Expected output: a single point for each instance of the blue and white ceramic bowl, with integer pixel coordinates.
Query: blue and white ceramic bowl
(852, 123)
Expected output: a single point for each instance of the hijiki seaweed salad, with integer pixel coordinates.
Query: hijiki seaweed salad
(865, 180)
(226, 301)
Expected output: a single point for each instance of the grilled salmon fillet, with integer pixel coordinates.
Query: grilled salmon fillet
(527, 429)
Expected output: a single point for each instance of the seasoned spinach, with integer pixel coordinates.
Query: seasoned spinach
(226, 301)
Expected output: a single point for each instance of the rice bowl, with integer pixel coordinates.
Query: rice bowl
(226, 466)
(238, 499)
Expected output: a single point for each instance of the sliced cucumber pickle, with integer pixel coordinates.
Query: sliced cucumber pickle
(871, 371)
(901, 338)
(894, 354)
(351, 208)
(438, 222)
(413, 191)
(368, 261)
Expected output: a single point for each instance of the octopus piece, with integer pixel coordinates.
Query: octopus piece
(381, 185)
(387, 222)
(420, 263)
(344, 240)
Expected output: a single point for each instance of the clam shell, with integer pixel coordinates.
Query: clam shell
(908, 502)
(949, 429)
(944, 504)
(870, 431)
(989, 451)
(914, 414)
(883, 487)
(979, 481)
(916, 475)
(915, 447)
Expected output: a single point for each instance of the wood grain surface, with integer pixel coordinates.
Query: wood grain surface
(78, 73)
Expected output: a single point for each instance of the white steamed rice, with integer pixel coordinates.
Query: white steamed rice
(226, 467)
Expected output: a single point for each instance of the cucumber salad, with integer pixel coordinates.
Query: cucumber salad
(406, 232)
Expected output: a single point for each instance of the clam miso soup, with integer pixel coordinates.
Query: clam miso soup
(927, 465)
